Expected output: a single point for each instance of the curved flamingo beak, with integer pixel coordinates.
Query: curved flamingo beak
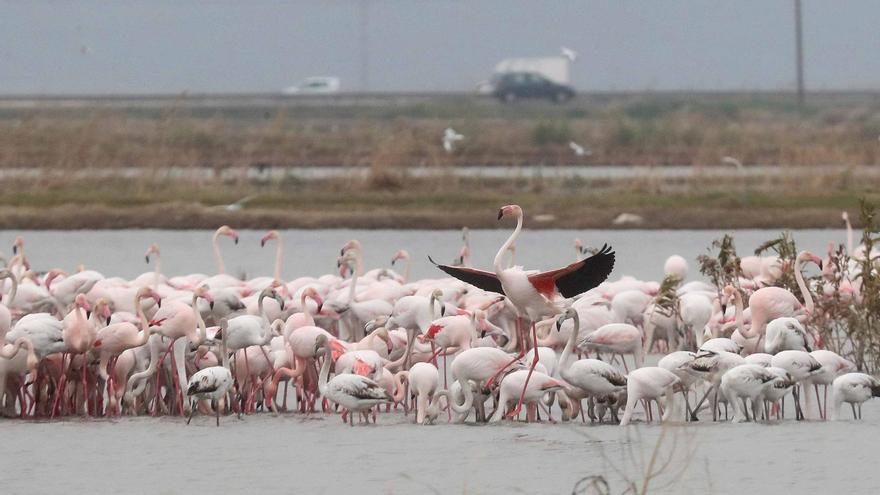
(500, 213)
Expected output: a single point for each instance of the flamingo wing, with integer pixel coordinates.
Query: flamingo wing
(362, 388)
(481, 279)
(577, 277)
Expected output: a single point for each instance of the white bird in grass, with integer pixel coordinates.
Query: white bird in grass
(450, 137)
(729, 160)
(212, 382)
(238, 205)
(579, 150)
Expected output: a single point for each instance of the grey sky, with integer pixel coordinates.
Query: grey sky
(169, 46)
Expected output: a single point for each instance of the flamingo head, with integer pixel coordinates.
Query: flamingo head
(311, 293)
(82, 302)
(270, 236)
(203, 292)
(844, 216)
(52, 275)
(579, 245)
(18, 244)
(228, 232)
(400, 255)
(376, 323)
(567, 314)
(153, 249)
(353, 244)
(514, 210)
(102, 307)
(808, 256)
(148, 293)
(271, 292)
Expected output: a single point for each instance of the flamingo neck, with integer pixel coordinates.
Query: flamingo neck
(569, 345)
(510, 241)
(157, 272)
(145, 325)
(849, 237)
(12, 290)
(406, 270)
(279, 248)
(310, 320)
(224, 353)
(805, 292)
(353, 285)
(738, 304)
(324, 375)
(202, 331)
(399, 379)
(218, 258)
(267, 330)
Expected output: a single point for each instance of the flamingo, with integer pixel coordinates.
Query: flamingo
(785, 333)
(424, 381)
(478, 364)
(535, 294)
(512, 385)
(590, 377)
(768, 303)
(854, 389)
(616, 338)
(355, 393)
(222, 280)
(745, 382)
(5, 314)
(677, 362)
(648, 383)
(833, 365)
(116, 338)
(213, 382)
(800, 365)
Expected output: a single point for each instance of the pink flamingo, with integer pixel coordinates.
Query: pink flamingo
(648, 383)
(535, 294)
(114, 339)
(769, 303)
(617, 338)
(355, 393)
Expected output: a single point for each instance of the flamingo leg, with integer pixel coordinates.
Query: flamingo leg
(192, 408)
(535, 358)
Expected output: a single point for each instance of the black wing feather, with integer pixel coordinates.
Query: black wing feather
(482, 280)
(592, 272)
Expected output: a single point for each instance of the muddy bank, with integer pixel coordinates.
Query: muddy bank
(187, 216)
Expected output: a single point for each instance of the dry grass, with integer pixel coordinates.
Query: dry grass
(230, 142)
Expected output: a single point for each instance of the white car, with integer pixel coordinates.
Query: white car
(314, 85)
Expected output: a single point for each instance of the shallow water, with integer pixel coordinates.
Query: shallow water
(640, 253)
(291, 454)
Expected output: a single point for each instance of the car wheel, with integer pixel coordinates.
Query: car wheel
(509, 97)
(561, 97)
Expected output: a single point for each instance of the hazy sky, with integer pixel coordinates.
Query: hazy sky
(128, 46)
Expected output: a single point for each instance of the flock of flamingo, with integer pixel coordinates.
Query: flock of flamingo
(362, 342)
